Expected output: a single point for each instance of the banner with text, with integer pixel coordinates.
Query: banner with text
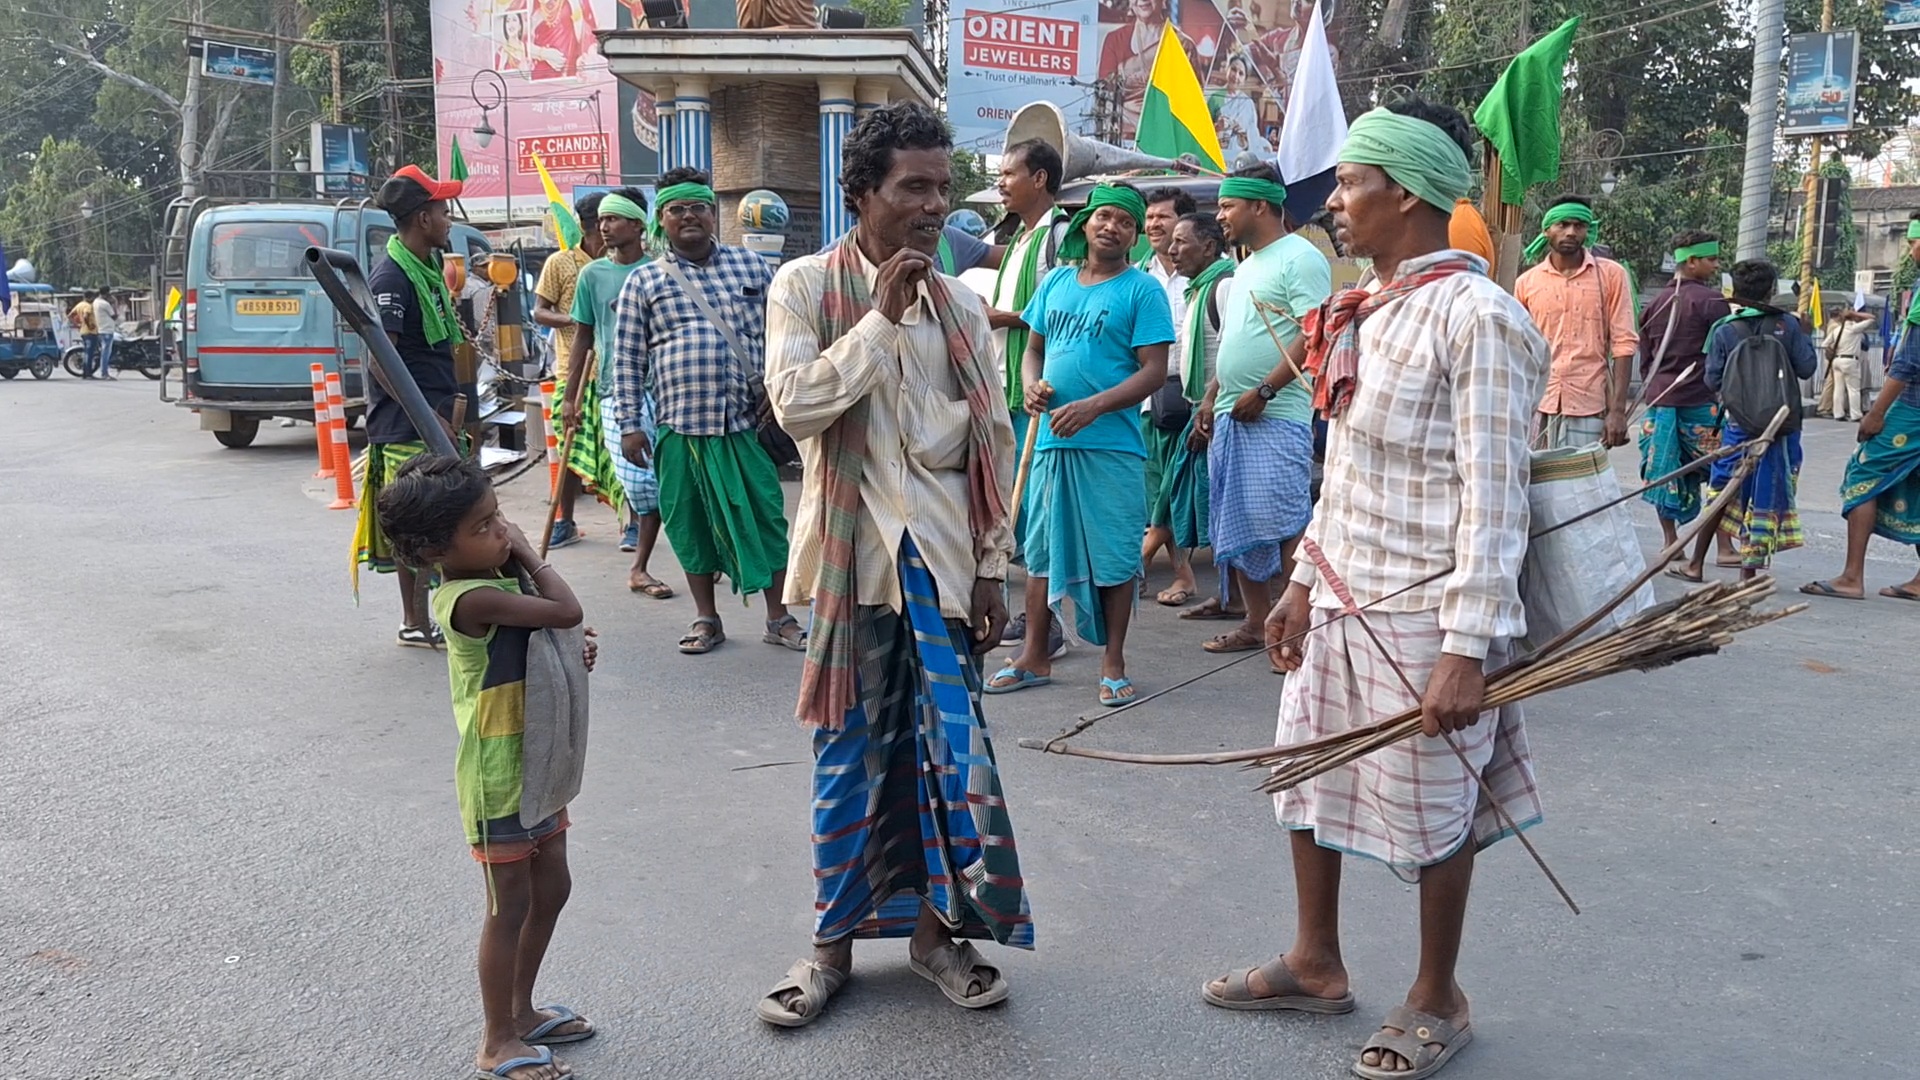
(1005, 53)
(560, 101)
(1002, 54)
(1820, 82)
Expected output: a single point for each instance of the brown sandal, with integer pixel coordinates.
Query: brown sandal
(1240, 640)
(1287, 993)
(702, 636)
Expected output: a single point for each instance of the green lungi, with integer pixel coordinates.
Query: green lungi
(722, 507)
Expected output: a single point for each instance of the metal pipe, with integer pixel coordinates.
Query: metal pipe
(341, 279)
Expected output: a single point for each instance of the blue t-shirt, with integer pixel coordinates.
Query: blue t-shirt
(1092, 332)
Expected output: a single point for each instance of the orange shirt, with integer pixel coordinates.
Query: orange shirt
(1579, 314)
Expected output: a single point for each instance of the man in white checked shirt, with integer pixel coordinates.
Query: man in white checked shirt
(1429, 378)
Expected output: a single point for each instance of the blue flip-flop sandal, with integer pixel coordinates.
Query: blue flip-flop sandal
(1114, 686)
(1023, 680)
(562, 1016)
(501, 1071)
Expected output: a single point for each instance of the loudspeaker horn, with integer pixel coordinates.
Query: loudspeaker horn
(1079, 155)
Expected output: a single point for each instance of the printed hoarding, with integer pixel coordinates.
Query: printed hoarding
(1820, 82)
(560, 101)
(1088, 57)
(237, 63)
(1001, 57)
(339, 160)
(1903, 14)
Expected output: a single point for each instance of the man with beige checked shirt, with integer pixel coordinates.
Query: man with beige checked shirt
(1429, 378)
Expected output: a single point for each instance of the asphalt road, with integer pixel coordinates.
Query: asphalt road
(232, 851)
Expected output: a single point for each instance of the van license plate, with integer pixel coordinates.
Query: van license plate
(290, 306)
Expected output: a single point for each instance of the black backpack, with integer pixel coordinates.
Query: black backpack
(1759, 379)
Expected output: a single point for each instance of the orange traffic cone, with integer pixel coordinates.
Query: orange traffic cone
(553, 437)
(322, 440)
(342, 457)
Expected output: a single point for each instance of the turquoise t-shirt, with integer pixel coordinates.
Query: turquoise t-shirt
(1292, 274)
(1092, 332)
(598, 289)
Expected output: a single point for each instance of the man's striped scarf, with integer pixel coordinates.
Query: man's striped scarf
(1332, 332)
(827, 686)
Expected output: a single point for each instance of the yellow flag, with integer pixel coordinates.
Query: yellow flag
(1816, 310)
(566, 228)
(1173, 118)
(173, 303)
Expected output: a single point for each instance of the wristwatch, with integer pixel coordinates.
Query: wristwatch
(1266, 392)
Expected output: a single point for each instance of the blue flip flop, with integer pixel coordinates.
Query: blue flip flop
(1115, 686)
(561, 1017)
(500, 1071)
(1023, 680)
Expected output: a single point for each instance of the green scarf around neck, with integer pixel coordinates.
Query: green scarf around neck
(1026, 279)
(1193, 374)
(437, 322)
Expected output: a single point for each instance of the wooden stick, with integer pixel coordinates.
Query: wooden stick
(585, 375)
(1026, 457)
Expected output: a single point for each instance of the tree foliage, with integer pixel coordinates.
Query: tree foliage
(1670, 76)
(43, 218)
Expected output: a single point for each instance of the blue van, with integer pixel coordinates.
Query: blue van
(253, 320)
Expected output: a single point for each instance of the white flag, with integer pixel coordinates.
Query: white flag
(1316, 123)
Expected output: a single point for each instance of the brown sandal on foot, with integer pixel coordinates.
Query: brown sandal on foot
(1240, 640)
(702, 636)
(1418, 1032)
(1287, 993)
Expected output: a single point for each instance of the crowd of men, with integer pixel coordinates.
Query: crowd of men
(1166, 404)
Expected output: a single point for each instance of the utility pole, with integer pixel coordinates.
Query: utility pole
(190, 115)
(276, 17)
(1763, 121)
(390, 94)
(1812, 207)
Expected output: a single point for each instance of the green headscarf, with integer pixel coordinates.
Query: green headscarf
(1697, 251)
(1415, 154)
(1193, 372)
(1566, 211)
(1073, 247)
(437, 323)
(684, 192)
(614, 204)
(1254, 188)
(1913, 229)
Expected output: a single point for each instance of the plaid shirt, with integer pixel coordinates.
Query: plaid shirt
(1427, 469)
(663, 342)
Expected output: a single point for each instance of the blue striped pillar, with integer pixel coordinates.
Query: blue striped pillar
(837, 104)
(693, 125)
(663, 107)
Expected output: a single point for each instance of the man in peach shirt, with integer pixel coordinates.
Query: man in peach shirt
(1583, 306)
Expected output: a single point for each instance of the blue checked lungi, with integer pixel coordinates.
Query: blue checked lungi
(906, 797)
(1087, 512)
(641, 486)
(1260, 479)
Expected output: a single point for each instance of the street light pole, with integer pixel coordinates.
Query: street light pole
(483, 131)
(1763, 117)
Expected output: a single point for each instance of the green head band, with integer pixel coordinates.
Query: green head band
(1415, 154)
(1554, 216)
(614, 204)
(1073, 247)
(1708, 250)
(674, 193)
(1254, 189)
(1913, 229)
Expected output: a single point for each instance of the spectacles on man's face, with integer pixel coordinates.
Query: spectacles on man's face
(682, 211)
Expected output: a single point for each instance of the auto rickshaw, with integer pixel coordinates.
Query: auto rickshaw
(28, 340)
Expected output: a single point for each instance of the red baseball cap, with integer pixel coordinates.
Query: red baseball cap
(409, 189)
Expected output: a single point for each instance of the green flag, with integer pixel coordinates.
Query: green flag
(456, 162)
(1521, 115)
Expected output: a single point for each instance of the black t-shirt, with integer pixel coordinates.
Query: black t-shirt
(431, 365)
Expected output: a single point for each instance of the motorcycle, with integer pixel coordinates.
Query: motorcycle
(141, 351)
